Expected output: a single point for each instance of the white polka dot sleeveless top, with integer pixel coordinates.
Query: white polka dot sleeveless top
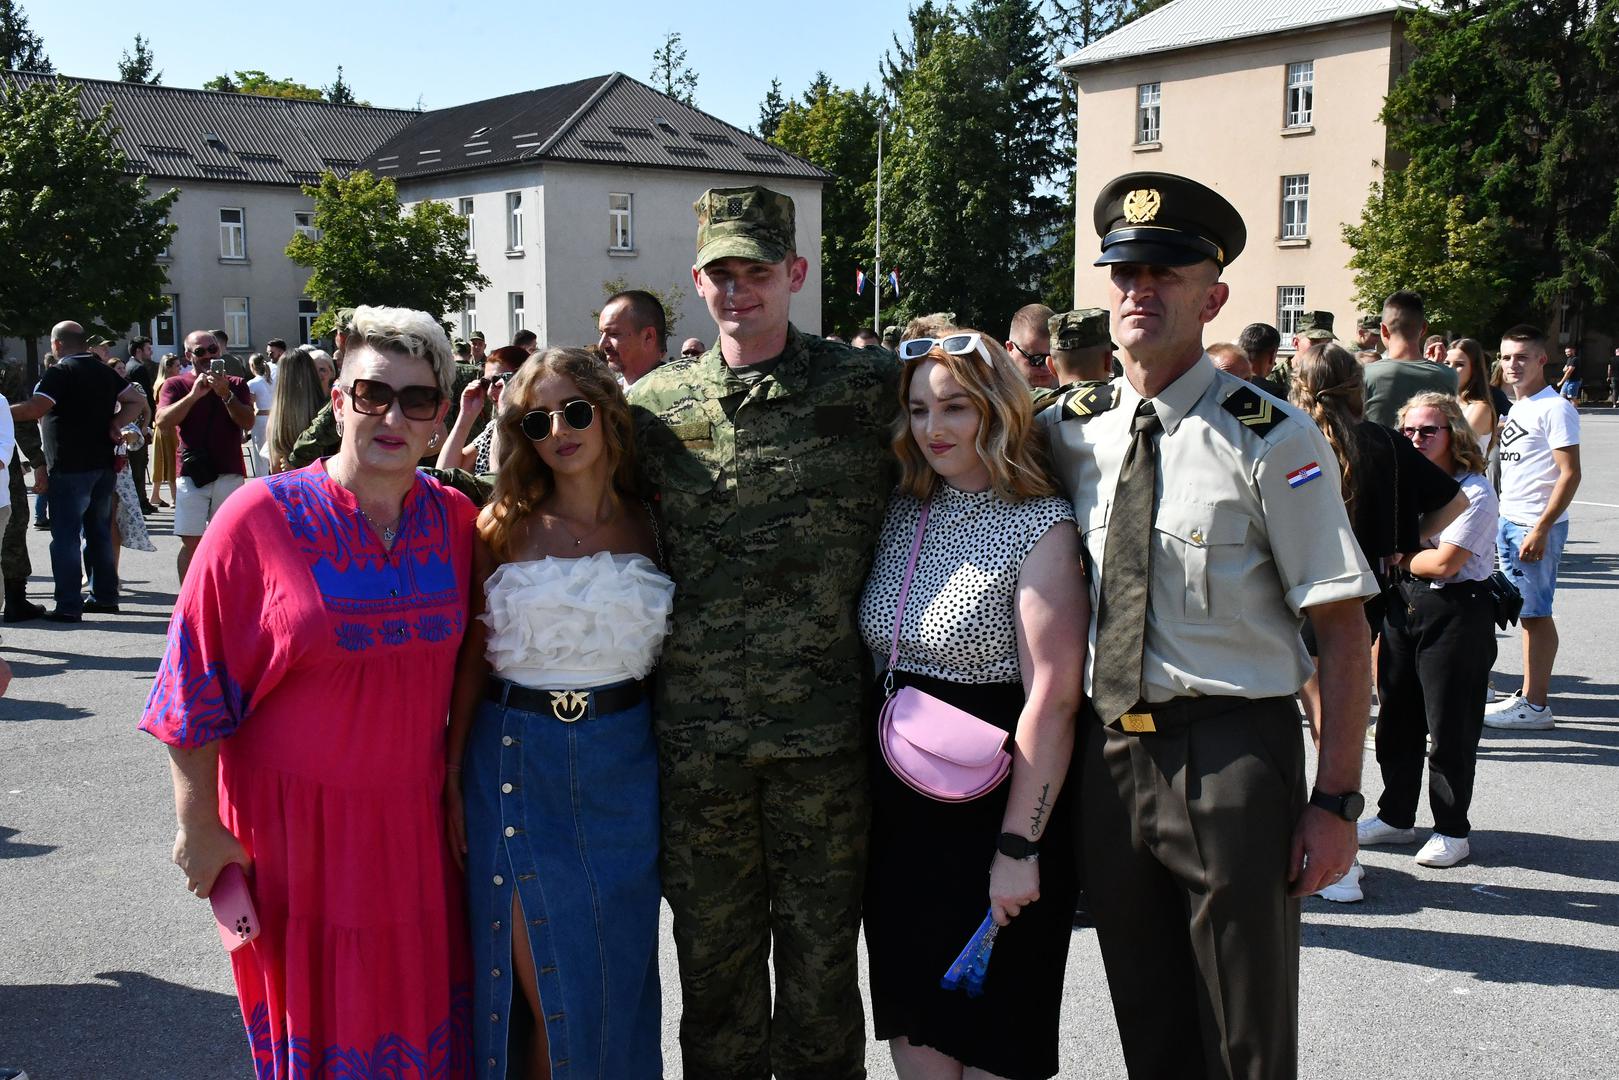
(959, 617)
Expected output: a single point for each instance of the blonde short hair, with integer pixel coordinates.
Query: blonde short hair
(403, 331)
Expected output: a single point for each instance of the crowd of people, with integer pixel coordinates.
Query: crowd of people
(497, 649)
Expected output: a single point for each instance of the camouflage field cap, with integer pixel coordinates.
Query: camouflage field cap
(1370, 322)
(477, 335)
(891, 335)
(99, 342)
(744, 223)
(1316, 326)
(1080, 329)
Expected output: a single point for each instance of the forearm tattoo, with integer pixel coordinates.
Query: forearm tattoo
(1039, 818)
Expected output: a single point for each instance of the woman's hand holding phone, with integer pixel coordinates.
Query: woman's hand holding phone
(202, 851)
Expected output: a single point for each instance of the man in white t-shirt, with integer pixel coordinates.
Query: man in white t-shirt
(1540, 472)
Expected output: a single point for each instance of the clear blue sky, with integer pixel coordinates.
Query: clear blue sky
(453, 51)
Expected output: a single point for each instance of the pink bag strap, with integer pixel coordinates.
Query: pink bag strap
(905, 591)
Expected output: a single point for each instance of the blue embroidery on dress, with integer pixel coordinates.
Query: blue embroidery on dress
(434, 627)
(355, 637)
(448, 1052)
(198, 702)
(395, 631)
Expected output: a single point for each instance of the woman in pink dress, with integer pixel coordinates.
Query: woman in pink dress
(303, 696)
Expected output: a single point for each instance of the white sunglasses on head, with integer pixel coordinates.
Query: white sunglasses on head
(955, 345)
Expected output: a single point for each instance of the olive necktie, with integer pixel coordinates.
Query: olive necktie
(1121, 625)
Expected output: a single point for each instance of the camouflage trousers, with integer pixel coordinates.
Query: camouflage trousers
(754, 851)
(14, 561)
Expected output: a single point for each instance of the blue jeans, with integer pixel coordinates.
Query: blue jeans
(81, 509)
(1537, 581)
(40, 517)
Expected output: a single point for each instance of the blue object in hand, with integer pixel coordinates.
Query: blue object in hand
(972, 966)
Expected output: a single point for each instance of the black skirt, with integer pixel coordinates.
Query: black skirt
(928, 890)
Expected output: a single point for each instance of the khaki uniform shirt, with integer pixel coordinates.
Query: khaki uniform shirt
(772, 493)
(1249, 530)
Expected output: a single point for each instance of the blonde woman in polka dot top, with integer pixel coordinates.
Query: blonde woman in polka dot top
(994, 624)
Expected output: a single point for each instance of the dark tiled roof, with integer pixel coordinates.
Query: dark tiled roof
(612, 119)
(173, 133)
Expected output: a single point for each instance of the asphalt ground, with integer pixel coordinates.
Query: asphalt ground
(1505, 966)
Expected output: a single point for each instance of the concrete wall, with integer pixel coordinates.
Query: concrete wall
(1222, 124)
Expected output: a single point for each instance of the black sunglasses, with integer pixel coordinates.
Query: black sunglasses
(1427, 431)
(1035, 359)
(374, 398)
(205, 351)
(577, 414)
(501, 377)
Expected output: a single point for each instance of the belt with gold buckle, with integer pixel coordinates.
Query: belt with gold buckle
(566, 705)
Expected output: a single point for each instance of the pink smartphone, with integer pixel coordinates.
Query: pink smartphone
(233, 908)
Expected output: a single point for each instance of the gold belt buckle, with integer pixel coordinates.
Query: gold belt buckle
(569, 705)
(1138, 723)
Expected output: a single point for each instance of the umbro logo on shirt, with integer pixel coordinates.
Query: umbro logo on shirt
(1511, 433)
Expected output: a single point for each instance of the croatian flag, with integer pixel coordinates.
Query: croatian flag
(1304, 475)
(859, 280)
(893, 277)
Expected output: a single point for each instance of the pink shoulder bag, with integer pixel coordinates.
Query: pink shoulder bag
(936, 748)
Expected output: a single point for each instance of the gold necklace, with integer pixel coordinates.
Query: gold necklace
(579, 541)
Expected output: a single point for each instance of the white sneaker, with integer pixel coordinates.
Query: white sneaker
(1519, 715)
(1442, 850)
(1502, 702)
(1346, 890)
(1374, 830)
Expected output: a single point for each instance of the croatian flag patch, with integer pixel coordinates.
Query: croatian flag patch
(1303, 475)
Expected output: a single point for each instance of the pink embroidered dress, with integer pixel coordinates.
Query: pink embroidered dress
(324, 663)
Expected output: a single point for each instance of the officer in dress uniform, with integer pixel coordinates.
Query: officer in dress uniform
(1212, 524)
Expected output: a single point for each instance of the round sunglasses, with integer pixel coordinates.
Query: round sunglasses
(577, 414)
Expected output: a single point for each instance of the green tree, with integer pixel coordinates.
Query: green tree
(341, 93)
(81, 236)
(770, 110)
(1412, 236)
(138, 68)
(837, 130)
(671, 73)
(20, 48)
(1512, 102)
(372, 251)
(257, 82)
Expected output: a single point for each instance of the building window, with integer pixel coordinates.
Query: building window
(1289, 307)
(232, 235)
(237, 324)
(469, 316)
(1300, 93)
(514, 221)
(164, 254)
(621, 230)
(165, 328)
(308, 312)
(514, 303)
(303, 224)
(465, 209)
(1295, 207)
(1147, 100)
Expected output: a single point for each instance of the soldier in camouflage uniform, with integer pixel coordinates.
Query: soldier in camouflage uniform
(1313, 326)
(771, 453)
(1081, 356)
(14, 559)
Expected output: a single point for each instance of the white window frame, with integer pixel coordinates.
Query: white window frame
(1300, 100)
(469, 316)
(1289, 309)
(515, 312)
(514, 221)
(233, 234)
(303, 224)
(308, 312)
(1149, 112)
(164, 254)
(238, 324)
(172, 340)
(1296, 206)
(468, 212)
(620, 221)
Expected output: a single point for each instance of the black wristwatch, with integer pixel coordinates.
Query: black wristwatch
(1014, 846)
(1347, 806)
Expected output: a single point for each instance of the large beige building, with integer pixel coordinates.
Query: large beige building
(1274, 106)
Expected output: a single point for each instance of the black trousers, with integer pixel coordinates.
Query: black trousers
(1434, 668)
(1185, 836)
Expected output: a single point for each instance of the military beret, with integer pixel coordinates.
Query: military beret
(1316, 326)
(1160, 219)
(1080, 329)
(744, 223)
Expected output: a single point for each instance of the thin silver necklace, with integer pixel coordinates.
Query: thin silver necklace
(387, 532)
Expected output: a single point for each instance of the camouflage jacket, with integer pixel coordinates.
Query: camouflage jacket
(14, 384)
(772, 496)
(320, 438)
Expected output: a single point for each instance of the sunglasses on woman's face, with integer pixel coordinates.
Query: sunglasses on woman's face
(577, 414)
(955, 345)
(1426, 431)
(374, 398)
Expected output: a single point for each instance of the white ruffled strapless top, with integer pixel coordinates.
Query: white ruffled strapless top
(576, 623)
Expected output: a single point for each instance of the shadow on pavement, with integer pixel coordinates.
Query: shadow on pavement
(1399, 892)
(1490, 959)
(10, 850)
(130, 1026)
(14, 708)
(1587, 570)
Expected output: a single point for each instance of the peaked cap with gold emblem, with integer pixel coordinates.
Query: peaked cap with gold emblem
(1160, 219)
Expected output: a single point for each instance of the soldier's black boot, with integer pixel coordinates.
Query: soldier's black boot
(18, 607)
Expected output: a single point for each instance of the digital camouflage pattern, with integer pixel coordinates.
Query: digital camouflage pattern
(744, 223)
(1081, 329)
(1316, 326)
(772, 495)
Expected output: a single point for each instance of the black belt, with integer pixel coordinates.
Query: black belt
(1453, 590)
(1158, 717)
(565, 705)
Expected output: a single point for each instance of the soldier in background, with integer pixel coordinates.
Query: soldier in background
(891, 335)
(14, 561)
(1367, 337)
(1081, 347)
(1029, 342)
(771, 454)
(1313, 326)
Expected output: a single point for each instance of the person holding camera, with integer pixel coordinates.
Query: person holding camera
(209, 409)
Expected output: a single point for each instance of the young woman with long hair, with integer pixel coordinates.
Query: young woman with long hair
(165, 449)
(1473, 390)
(552, 795)
(299, 395)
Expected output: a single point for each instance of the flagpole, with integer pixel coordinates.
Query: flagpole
(877, 261)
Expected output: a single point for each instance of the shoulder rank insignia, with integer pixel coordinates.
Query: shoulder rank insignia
(1087, 400)
(1253, 410)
